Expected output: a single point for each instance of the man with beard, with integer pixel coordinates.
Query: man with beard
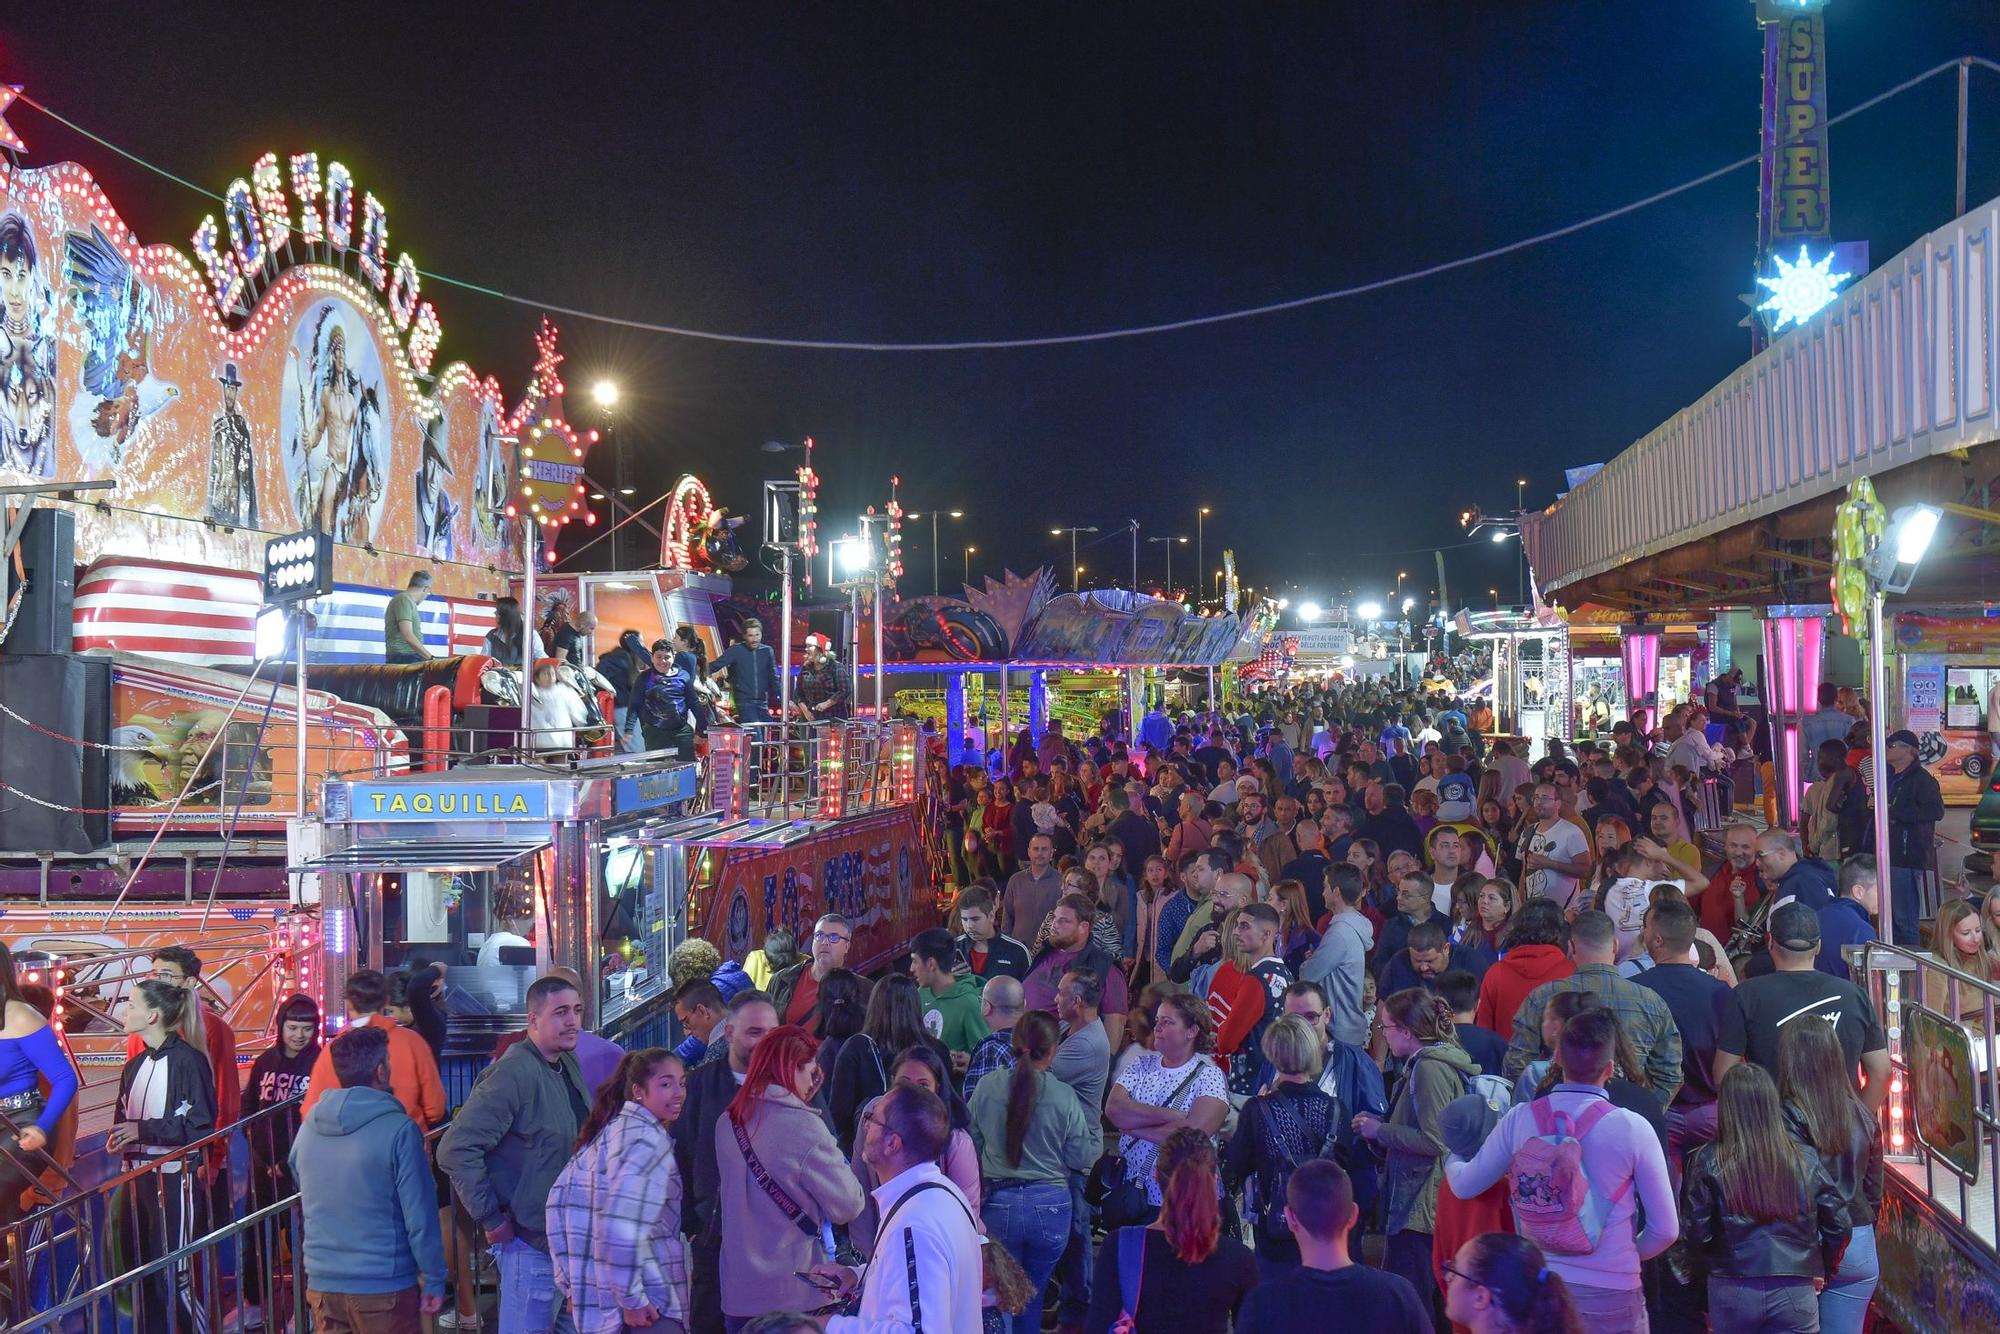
(1069, 951)
(821, 690)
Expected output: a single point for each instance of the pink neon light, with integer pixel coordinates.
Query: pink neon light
(1639, 651)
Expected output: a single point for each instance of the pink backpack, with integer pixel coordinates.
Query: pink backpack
(1554, 1204)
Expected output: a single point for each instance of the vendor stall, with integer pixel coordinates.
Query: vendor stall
(501, 873)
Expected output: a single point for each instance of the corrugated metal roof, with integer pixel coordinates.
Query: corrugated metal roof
(1900, 367)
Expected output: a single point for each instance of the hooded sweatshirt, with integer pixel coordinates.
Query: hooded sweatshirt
(952, 1016)
(1436, 1076)
(1507, 983)
(371, 1214)
(1339, 965)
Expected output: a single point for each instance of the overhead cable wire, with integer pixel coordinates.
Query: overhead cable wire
(1097, 335)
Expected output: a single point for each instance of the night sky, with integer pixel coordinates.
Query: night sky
(928, 172)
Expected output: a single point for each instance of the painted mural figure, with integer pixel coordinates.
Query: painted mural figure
(27, 357)
(232, 479)
(435, 510)
(116, 315)
(329, 411)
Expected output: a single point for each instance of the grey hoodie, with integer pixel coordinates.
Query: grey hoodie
(1339, 965)
(371, 1213)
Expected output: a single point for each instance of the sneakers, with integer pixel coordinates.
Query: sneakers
(449, 1319)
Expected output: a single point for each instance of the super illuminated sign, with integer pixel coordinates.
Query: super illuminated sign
(263, 213)
(441, 801)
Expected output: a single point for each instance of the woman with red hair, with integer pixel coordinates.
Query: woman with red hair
(1192, 1278)
(781, 1177)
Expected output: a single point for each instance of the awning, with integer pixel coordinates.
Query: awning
(422, 854)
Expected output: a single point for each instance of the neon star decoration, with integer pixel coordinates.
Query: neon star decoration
(9, 139)
(1800, 290)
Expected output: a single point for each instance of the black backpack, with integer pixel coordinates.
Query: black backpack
(1287, 1135)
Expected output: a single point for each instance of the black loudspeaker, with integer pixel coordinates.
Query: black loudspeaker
(47, 619)
(53, 782)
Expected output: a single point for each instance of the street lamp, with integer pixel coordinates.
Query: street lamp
(1369, 612)
(956, 514)
(1309, 612)
(1520, 507)
(968, 564)
(1074, 569)
(1891, 567)
(1169, 541)
(1200, 522)
(604, 394)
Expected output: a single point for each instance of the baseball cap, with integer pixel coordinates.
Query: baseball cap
(1902, 736)
(1465, 1122)
(1455, 792)
(1795, 927)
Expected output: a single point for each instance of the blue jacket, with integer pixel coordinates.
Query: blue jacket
(1811, 882)
(1841, 922)
(371, 1213)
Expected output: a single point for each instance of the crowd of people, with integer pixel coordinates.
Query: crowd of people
(1341, 1008)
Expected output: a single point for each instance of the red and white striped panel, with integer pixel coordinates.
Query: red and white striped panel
(470, 620)
(203, 617)
(182, 613)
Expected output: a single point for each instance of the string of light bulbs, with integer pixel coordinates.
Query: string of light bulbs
(1096, 335)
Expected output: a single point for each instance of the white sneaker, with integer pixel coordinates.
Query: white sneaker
(449, 1319)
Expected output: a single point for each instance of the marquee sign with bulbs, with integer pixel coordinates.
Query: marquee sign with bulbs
(278, 381)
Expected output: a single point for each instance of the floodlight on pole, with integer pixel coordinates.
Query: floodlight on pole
(1369, 611)
(1501, 534)
(1893, 563)
(605, 394)
(1309, 612)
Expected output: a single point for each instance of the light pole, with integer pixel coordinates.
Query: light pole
(605, 394)
(1073, 569)
(1201, 520)
(1520, 506)
(936, 586)
(968, 564)
(1168, 542)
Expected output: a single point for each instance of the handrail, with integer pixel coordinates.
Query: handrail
(182, 1154)
(1881, 967)
(110, 1287)
(289, 1206)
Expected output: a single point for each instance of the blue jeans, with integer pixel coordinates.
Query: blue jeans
(529, 1302)
(1074, 1271)
(1905, 902)
(1032, 1222)
(1762, 1306)
(1843, 1307)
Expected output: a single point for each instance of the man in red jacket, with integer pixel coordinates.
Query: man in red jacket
(1735, 891)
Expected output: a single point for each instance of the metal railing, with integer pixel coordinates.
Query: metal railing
(59, 1249)
(1901, 982)
(208, 1281)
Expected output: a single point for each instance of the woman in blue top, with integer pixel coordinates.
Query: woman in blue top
(29, 1053)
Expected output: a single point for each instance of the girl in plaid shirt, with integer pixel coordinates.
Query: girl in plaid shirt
(614, 1213)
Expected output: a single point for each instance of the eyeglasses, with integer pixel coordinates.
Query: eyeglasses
(1452, 1271)
(828, 937)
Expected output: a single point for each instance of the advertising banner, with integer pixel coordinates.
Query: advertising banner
(870, 870)
(1794, 174)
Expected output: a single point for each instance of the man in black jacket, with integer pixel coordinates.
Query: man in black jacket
(1915, 807)
(709, 1091)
